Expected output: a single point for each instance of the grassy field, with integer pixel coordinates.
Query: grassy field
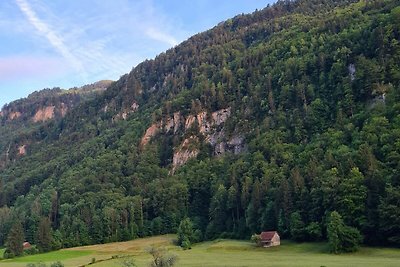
(217, 253)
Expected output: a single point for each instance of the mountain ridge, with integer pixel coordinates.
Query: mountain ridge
(263, 122)
(35, 111)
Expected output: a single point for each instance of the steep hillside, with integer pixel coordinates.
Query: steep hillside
(268, 121)
(20, 119)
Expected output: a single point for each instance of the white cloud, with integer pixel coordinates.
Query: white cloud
(158, 35)
(55, 40)
(97, 39)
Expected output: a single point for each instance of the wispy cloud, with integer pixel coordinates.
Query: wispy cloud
(158, 35)
(55, 40)
(102, 39)
(70, 43)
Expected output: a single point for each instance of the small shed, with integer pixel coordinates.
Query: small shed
(26, 245)
(270, 239)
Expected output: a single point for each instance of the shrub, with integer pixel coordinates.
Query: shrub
(256, 239)
(127, 262)
(31, 251)
(8, 254)
(161, 258)
(57, 264)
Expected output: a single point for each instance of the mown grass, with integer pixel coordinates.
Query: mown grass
(52, 256)
(218, 253)
(61, 255)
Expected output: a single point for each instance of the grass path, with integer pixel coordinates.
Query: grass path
(219, 253)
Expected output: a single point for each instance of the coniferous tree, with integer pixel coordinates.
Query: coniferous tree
(15, 240)
(185, 233)
(44, 238)
(389, 211)
(341, 238)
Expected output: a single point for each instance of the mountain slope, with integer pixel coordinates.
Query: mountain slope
(268, 121)
(20, 119)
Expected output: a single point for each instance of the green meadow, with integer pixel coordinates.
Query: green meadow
(215, 253)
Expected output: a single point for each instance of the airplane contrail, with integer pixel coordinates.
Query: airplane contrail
(54, 39)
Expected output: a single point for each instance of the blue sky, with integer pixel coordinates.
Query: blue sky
(48, 43)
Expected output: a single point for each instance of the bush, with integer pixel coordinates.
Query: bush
(127, 262)
(31, 251)
(186, 234)
(57, 264)
(8, 254)
(197, 236)
(256, 239)
(161, 258)
(186, 244)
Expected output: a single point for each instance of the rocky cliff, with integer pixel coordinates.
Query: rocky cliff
(207, 125)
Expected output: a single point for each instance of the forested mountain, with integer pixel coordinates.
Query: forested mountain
(268, 121)
(21, 119)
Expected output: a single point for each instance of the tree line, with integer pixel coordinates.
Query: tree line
(315, 94)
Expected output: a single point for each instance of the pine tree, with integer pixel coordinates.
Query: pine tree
(341, 238)
(185, 233)
(15, 241)
(44, 236)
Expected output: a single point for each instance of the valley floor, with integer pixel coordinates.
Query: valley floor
(215, 253)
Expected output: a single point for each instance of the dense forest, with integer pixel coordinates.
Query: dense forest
(24, 118)
(269, 121)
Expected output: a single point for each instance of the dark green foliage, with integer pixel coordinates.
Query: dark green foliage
(313, 231)
(186, 234)
(44, 237)
(313, 89)
(297, 227)
(390, 215)
(5, 223)
(15, 240)
(341, 238)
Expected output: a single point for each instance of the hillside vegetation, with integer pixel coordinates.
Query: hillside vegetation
(22, 121)
(269, 121)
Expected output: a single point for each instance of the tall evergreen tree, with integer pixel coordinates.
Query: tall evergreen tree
(15, 240)
(44, 236)
(341, 238)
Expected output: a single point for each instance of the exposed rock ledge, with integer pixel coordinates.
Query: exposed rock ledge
(124, 113)
(22, 150)
(176, 122)
(150, 133)
(14, 115)
(207, 125)
(44, 114)
(186, 151)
